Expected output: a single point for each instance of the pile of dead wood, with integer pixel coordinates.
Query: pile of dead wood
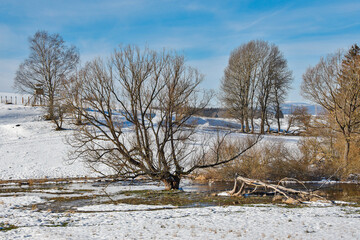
(246, 186)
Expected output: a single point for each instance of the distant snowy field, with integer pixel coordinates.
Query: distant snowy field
(30, 148)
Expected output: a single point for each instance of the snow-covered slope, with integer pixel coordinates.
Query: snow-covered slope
(30, 148)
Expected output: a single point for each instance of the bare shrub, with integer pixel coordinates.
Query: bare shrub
(249, 165)
(261, 162)
(324, 148)
(274, 161)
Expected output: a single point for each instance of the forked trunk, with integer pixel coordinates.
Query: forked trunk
(171, 183)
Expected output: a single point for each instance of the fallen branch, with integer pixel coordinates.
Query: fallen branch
(290, 195)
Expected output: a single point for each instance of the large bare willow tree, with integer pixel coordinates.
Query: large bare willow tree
(50, 63)
(137, 108)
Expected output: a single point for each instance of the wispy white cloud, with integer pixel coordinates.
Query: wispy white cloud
(239, 26)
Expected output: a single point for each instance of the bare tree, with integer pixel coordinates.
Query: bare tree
(73, 88)
(240, 81)
(334, 84)
(138, 109)
(257, 73)
(274, 79)
(281, 85)
(49, 63)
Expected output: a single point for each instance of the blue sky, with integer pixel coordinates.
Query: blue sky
(204, 31)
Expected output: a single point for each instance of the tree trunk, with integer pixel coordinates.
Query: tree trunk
(171, 183)
(278, 117)
(267, 124)
(242, 124)
(279, 127)
(78, 120)
(262, 124)
(247, 128)
(346, 153)
(51, 108)
(58, 123)
(252, 124)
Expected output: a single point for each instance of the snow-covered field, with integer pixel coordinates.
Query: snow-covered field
(30, 148)
(140, 222)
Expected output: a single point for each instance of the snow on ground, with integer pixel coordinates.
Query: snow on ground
(140, 222)
(30, 148)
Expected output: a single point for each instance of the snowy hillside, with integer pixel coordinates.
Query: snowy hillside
(30, 148)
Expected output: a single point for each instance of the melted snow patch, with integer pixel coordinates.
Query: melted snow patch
(223, 194)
